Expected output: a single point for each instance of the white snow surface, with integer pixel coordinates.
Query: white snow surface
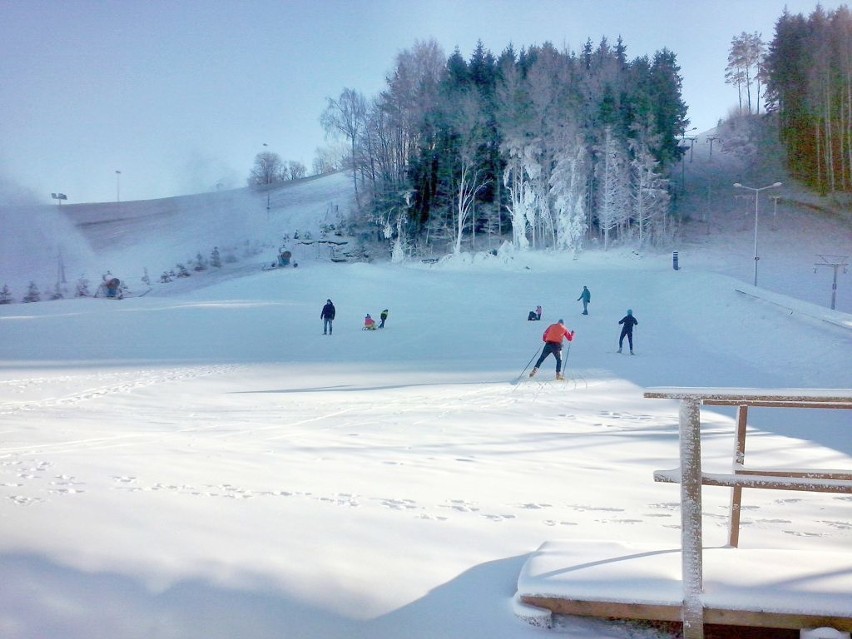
(202, 462)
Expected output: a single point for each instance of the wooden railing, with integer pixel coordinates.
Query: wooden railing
(690, 476)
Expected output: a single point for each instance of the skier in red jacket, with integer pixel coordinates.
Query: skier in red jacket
(553, 336)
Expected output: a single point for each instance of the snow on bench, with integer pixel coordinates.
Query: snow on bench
(612, 579)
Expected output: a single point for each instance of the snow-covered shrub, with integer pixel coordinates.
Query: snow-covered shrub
(5, 295)
(82, 287)
(200, 263)
(33, 294)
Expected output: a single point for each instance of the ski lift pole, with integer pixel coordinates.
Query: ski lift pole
(835, 262)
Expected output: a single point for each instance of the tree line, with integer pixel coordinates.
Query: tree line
(550, 146)
(808, 71)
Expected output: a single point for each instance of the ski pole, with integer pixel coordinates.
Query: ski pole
(530, 362)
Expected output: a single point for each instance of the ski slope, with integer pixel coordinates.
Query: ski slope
(202, 462)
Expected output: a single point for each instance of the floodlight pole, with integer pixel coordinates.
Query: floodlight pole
(836, 262)
(756, 200)
(268, 181)
(117, 187)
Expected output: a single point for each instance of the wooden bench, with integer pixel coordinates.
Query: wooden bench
(691, 478)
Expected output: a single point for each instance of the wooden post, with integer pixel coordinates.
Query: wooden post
(690, 499)
(737, 491)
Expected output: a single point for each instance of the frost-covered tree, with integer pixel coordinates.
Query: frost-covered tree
(82, 287)
(397, 232)
(521, 194)
(650, 196)
(295, 170)
(268, 169)
(523, 103)
(469, 177)
(5, 295)
(568, 190)
(614, 187)
(346, 117)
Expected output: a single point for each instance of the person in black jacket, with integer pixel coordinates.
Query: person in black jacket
(628, 322)
(327, 316)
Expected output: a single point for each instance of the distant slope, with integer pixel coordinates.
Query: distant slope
(46, 244)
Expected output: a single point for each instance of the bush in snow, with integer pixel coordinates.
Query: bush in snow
(182, 271)
(5, 295)
(33, 294)
(200, 263)
(82, 289)
(215, 259)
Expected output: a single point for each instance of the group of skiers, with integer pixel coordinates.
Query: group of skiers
(554, 334)
(328, 312)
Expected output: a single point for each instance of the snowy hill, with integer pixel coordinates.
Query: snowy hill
(202, 462)
(126, 238)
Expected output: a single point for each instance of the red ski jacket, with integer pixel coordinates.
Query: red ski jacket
(556, 332)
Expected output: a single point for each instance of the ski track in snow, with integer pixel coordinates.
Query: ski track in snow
(104, 385)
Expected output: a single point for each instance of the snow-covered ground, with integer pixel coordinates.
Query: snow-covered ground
(202, 462)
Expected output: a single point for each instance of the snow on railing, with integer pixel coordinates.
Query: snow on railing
(691, 478)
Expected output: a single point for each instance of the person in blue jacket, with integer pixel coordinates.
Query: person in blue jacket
(586, 297)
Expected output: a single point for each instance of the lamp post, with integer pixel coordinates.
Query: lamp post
(118, 186)
(757, 191)
(268, 181)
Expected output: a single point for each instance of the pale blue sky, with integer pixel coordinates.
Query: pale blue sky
(181, 94)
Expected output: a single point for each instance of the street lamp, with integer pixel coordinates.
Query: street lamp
(757, 191)
(118, 186)
(268, 180)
